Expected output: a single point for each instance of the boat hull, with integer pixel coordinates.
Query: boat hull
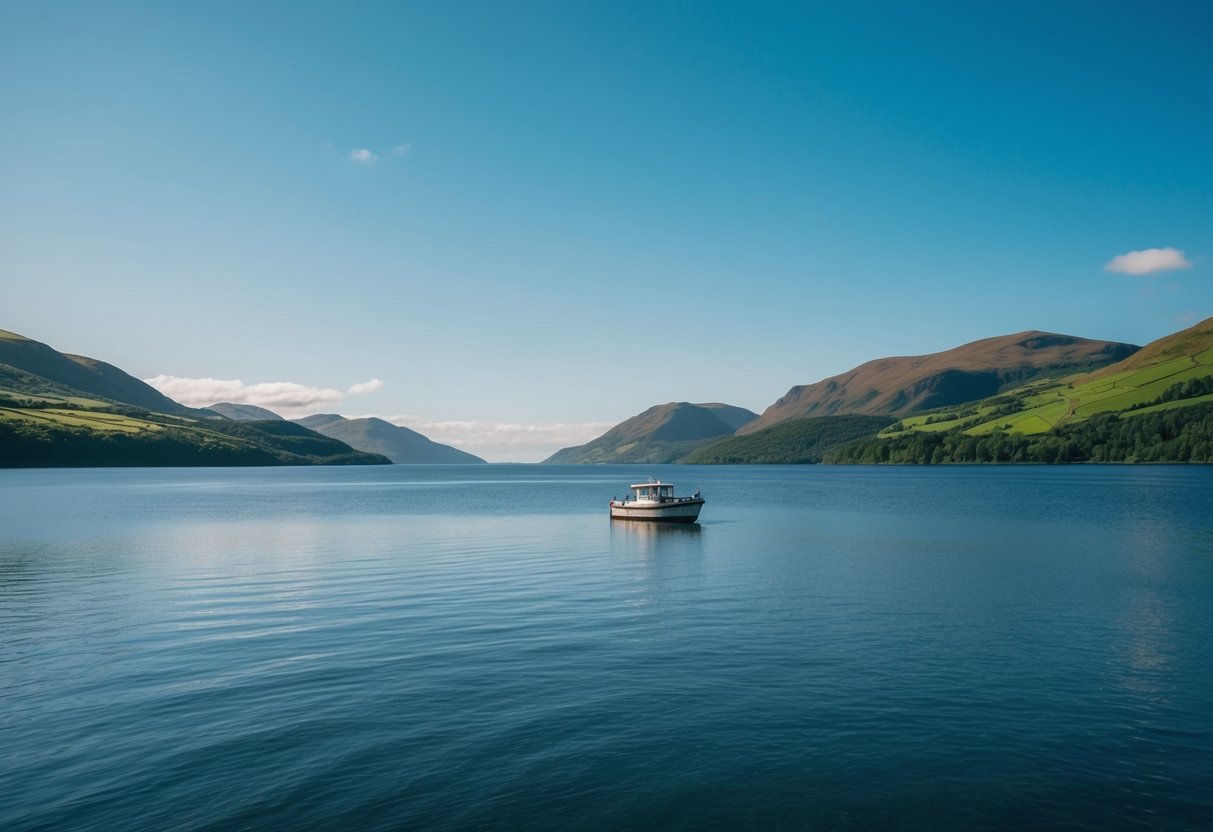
(683, 511)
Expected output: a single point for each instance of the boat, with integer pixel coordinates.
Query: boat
(654, 501)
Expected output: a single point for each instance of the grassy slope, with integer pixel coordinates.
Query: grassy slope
(1123, 388)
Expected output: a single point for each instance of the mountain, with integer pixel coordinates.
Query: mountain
(67, 410)
(399, 444)
(1156, 405)
(244, 412)
(31, 366)
(663, 433)
(900, 386)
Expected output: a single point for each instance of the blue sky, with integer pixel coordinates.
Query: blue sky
(530, 221)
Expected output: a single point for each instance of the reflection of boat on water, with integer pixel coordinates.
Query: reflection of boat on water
(655, 531)
(669, 540)
(655, 502)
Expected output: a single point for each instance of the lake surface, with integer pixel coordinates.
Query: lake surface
(479, 647)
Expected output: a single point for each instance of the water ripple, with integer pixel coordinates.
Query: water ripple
(399, 649)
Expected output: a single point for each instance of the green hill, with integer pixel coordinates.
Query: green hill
(790, 441)
(900, 386)
(75, 432)
(84, 412)
(663, 433)
(399, 444)
(30, 366)
(1125, 404)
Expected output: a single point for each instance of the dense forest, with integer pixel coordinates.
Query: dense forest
(1182, 434)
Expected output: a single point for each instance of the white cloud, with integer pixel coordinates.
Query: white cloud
(363, 156)
(1148, 261)
(365, 387)
(401, 149)
(504, 441)
(285, 398)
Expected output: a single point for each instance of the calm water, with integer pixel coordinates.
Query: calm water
(480, 647)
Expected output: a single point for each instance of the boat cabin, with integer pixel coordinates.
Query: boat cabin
(656, 492)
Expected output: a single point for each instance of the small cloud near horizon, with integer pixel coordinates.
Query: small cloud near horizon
(1148, 261)
(401, 149)
(371, 386)
(363, 156)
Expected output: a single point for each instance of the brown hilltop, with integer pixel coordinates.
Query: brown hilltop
(902, 385)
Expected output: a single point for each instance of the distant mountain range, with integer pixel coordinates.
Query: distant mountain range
(663, 433)
(399, 444)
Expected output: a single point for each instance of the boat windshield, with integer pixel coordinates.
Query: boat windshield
(654, 491)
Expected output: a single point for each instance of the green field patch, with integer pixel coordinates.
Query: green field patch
(1082, 398)
(935, 427)
(79, 419)
(1023, 422)
(88, 404)
(47, 399)
(1178, 403)
(1102, 385)
(1142, 394)
(1049, 412)
(1148, 375)
(1033, 424)
(1045, 399)
(1026, 423)
(1125, 399)
(987, 427)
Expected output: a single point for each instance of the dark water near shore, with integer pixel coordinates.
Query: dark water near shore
(480, 647)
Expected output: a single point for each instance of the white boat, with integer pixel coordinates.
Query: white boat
(655, 501)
